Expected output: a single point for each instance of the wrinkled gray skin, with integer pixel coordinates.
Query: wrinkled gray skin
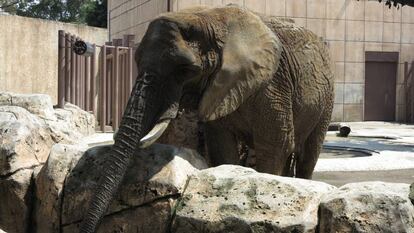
(252, 78)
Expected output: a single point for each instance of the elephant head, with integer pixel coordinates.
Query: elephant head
(219, 56)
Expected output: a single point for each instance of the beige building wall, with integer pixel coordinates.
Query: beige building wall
(29, 52)
(351, 27)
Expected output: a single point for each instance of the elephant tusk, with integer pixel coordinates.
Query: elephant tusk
(154, 134)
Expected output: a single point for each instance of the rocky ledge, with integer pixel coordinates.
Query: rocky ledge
(47, 178)
(29, 127)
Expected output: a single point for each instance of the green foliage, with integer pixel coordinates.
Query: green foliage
(397, 3)
(91, 12)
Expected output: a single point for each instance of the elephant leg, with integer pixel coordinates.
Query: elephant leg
(306, 161)
(221, 144)
(272, 159)
(273, 151)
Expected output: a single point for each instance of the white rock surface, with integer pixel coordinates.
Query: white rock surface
(231, 198)
(37, 104)
(16, 201)
(22, 145)
(367, 207)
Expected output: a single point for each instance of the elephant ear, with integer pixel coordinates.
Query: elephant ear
(250, 57)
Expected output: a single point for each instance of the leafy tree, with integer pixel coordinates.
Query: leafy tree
(91, 12)
(396, 3)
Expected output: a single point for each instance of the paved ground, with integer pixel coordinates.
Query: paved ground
(392, 160)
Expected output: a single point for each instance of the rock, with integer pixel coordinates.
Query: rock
(183, 131)
(149, 218)
(14, 113)
(67, 125)
(72, 124)
(411, 195)
(152, 184)
(23, 144)
(231, 198)
(367, 207)
(37, 104)
(49, 185)
(1, 231)
(16, 201)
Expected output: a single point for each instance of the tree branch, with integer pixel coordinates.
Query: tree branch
(6, 5)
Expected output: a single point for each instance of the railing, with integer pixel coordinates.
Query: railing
(409, 91)
(101, 86)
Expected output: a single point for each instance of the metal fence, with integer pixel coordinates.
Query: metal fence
(409, 91)
(99, 82)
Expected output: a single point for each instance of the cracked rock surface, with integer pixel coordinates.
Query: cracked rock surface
(231, 198)
(29, 127)
(367, 207)
(150, 188)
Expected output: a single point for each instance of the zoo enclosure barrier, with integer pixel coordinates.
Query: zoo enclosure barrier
(97, 80)
(409, 91)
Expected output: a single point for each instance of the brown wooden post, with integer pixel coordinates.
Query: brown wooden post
(109, 77)
(130, 72)
(87, 84)
(122, 84)
(93, 82)
(67, 67)
(79, 82)
(61, 69)
(115, 88)
(412, 92)
(103, 89)
(407, 93)
(72, 72)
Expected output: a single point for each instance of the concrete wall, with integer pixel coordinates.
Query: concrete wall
(351, 27)
(29, 52)
(133, 16)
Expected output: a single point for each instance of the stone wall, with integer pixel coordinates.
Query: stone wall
(29, 52)
(351, 27)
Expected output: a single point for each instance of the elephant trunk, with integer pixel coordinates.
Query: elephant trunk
(139, 117)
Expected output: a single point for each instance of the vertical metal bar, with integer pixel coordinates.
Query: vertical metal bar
(122, 85)
(76, 81)
(93, 82)
(130, 71)
(103, 89)
(61, 69)
(412, 92)
(67, 67)
(72, 71)
(109, 77)
(115, 87)
(108, 84)
(87, 94)
(79, 79)
(406, 92)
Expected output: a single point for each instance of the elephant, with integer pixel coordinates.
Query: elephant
(254, 78)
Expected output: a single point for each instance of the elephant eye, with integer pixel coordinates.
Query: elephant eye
(185, 72)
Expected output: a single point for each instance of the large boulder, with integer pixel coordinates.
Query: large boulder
(153, 182)
(231, 198)
(71, 125)
(16, 195)
(367, 207)
(24, 142)
(29, 127)
(66, 125)
(49, 185)
(37, 104)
